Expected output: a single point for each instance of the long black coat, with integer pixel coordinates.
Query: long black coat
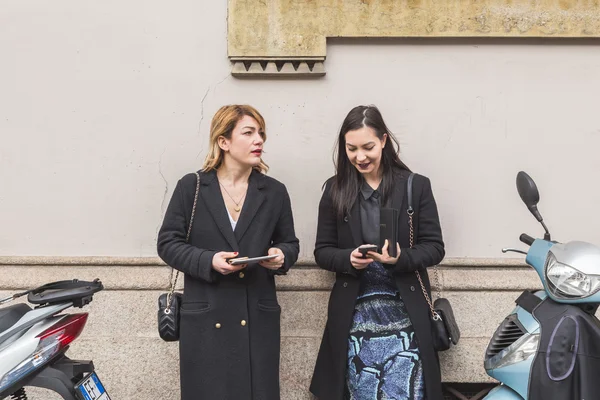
(230, 334)
(336, 239)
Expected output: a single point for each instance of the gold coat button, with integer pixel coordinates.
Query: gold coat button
(243, 322)
(218, 325)
(241, 274)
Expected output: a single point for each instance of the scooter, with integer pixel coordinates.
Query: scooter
(549, 346)
(34, 342)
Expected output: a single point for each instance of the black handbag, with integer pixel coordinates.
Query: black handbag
(444, 329)
(169, 304)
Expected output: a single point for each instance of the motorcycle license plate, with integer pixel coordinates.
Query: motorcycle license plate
(90, 388)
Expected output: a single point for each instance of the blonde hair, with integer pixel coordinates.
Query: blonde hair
(222, 124)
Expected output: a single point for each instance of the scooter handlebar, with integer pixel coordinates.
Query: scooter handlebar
(525, 238)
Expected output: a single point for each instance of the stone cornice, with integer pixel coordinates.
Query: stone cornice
(288, 37)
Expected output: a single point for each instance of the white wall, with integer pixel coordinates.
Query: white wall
(104, 105)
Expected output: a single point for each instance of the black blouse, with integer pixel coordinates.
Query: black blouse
(370, 204)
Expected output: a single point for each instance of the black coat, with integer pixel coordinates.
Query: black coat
(230, 334)
(336, 239)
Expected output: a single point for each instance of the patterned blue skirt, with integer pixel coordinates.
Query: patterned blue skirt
(383, 356)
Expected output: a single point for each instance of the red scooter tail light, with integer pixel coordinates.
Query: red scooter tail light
(66, 330)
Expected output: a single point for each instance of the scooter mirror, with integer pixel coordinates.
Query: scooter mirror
(529, 193)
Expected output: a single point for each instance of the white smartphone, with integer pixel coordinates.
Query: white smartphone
(248, 260)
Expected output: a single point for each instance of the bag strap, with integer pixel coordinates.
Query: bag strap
(409, 189)
(187, 239)
(410, 211)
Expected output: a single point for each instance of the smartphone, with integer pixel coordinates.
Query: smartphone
(248, 260)
(388, 229)
(364, 249)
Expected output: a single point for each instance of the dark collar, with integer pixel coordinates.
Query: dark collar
(367, 191)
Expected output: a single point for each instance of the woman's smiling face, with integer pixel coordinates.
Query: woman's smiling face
(364, 150)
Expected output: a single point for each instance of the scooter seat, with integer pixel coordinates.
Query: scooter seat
(11, 314)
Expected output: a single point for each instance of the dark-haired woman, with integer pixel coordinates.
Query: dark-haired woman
(377, 340)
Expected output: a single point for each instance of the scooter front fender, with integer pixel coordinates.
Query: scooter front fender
(502, 392)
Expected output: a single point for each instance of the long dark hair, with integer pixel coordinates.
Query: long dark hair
(347, 180)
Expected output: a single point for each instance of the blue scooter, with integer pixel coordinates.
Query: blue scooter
(549, 346)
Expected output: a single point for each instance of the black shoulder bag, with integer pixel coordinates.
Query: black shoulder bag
(170, 303)
(444, 329)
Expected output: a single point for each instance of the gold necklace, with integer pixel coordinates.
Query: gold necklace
(237, 207)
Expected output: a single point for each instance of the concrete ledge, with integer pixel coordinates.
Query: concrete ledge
(130, 277)
(156, 261)
(135, 363)
(464, 363)
(18, 273)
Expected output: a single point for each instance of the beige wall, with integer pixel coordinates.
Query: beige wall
(103, 106)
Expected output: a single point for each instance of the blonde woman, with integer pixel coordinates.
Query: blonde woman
(230, 332)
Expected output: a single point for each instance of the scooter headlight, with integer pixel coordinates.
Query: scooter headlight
(568, 283)
(521, 350)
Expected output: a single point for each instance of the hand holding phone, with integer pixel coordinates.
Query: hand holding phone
(366, 248)
(359, 257)
(384, 257)
(275, 263)
(221, 265)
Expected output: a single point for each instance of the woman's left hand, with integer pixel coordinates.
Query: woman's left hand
(384, 257)
(274, 263)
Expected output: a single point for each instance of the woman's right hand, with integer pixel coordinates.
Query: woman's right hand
(358, 261)
(220, 264)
